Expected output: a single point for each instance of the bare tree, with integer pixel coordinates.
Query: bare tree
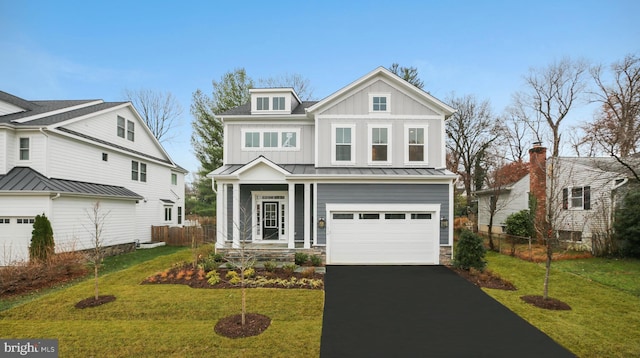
(159, 110)
(517, 135)
(616, 128)
(97, 219)
(470, 131)
(299, 83)
(552, 92)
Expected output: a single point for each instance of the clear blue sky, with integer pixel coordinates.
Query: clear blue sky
(96, 49)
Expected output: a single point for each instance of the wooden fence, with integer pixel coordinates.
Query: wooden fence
(183, 236)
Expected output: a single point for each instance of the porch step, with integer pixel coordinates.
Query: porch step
(261, 253)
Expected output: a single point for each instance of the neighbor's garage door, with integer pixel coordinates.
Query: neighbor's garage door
(383, 237)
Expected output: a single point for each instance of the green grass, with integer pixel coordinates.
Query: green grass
(110, 264)
(622, 274)
(166, 320)
(605, 317)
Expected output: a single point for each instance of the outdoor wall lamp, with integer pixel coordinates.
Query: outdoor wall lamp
(444, 222)
(321, 223)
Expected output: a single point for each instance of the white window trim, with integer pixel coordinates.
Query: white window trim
(389, 144)
(257, 199)
(30, 151)
(387, 95)
(334, 126)
(406, 144)
(261, 132)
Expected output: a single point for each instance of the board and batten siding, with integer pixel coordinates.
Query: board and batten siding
(358, 103)
(383, 194)
(235, 154)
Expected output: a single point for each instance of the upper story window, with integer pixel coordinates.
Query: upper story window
(577, 198)
(278, 103)
(343, 144)
(416, 149)
(262, 103)
(174, 179)
(138, 171)
(24, 149)
(126, 128)
(379, 102)
(270, 139)
(379, 144)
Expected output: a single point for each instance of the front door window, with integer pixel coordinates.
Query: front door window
(270, 221)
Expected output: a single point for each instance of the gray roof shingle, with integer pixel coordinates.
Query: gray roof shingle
(27, 180)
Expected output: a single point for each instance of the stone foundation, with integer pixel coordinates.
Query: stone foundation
(445, 255)
(113, 250)
(273, 254)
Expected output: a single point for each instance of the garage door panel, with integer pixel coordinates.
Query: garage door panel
(383, 241)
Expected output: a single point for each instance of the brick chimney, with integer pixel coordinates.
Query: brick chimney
(538, 184)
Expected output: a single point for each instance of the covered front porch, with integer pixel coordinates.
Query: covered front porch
(260, 204)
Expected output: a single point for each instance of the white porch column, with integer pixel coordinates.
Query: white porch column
(307, 215)
(236, 215)
(291, 227)
(221, 215)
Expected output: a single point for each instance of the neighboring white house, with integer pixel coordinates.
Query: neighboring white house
(510, 199)
(360, 174)
(60, 157)
(582, 195)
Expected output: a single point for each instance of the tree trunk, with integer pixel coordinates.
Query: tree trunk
(490, 226)
(95, 274)
(547, 273)
(244, 298)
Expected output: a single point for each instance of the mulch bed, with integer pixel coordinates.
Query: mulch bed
(485, 279)
(232, 327)
(548, 304)
(92, 302)
(15, 282)
(196, 278)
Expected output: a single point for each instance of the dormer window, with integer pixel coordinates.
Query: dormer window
(262, 103)
(379, 103)
(278, 103)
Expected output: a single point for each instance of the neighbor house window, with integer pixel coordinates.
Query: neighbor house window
(24, 148)
(121, 128)
(416, 148)
(343, 144)
(262, 103)
(174, 179)
(105, 157)
(130, 130)
(167, 214)
(379, 144)
(577, 197)
(379, 103)
(278, 103)
(138, 171)
(5, 221)
(270, 139)
(179, 215)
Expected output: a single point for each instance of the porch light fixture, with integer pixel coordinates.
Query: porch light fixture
(321, 223)
(444, 222)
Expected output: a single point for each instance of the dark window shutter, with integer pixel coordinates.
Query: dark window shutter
(565, 198)
(587, 197)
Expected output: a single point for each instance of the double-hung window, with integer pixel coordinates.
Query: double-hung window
(174, 179)
(343, 146)
(576, 198)
(130, 131)
(138, 171)
(24, 149)
(125, 128)
(416, 148)
(379, 144)
(121, 127)
(252, 139)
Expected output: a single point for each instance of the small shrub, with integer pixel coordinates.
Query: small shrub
(250, 272)
(213, 277)
(520, 224)
(231, 266)
(209, 264)
(316, 260)
(308, 272)
(42, 245)
(217, 257)
(289, 268)
(270, 266)
(233, 277)
(301, 258)
(470, 251)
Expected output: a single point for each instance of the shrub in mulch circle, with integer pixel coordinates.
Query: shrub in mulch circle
(231, 326)
(93, 302)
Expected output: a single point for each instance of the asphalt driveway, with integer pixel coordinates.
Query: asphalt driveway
(421, 311)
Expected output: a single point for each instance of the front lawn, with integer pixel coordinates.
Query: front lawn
(604, 320)
(166, 320)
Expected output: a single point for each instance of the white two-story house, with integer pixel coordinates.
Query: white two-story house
(360, 174)
(59, 158)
